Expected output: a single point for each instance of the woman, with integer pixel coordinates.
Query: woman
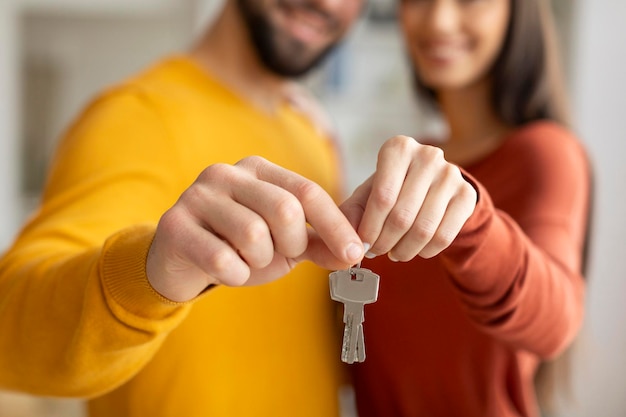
(497, 288)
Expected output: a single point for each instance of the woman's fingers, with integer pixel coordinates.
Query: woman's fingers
(445, 209)
(415, 203)
(394, 161)
(460, 208)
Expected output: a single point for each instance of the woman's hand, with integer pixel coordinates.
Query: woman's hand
(414, 204)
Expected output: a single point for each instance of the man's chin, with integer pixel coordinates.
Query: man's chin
(292, 65)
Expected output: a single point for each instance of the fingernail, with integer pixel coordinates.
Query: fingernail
(391, 257)
(355, 251)
(366, 249)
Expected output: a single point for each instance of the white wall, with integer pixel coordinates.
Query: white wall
(204, 12)
(599, 97)
(8, 123)
(67, 56)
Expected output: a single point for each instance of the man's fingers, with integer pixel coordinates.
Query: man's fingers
(253, 215)
(245, 230)
(318, 252)
(280, 210)
(320, 210)
(194, 247)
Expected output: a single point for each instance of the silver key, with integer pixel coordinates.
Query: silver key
(354, 287)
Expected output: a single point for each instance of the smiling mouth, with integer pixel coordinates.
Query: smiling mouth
(441, 52)
(306, 22)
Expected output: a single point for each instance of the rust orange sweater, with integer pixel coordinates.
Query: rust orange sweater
(462, 334)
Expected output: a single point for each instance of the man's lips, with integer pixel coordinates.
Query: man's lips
(305, 22)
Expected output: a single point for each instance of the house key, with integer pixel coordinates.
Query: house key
(354, 287)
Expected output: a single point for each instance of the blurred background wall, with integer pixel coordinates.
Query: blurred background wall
(55, 54)
(598, 67)
(9, 138)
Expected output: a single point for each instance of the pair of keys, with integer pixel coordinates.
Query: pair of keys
(354, 287)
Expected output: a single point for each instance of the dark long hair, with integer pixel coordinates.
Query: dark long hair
(528, 85)
(527, 78)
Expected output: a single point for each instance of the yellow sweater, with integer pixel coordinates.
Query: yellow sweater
(77, 315)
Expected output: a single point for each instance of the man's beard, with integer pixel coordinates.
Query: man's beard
(279, 53)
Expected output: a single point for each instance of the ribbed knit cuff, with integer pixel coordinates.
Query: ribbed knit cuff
(123, 272)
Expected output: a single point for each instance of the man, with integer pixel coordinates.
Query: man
(135, 282)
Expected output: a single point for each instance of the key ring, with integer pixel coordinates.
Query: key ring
(357, 266)
(366, 246)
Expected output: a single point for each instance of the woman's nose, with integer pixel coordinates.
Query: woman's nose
(443, 15)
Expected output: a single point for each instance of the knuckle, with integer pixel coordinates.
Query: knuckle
(431, 156)
(399, 144)
(401, 219)
(443, 238)
(215, 172)
(439, 242)
(308, 192)
(451, 173)
(424, 229)
(172, 222)
(194, 196)
(220, 261)
(383, 197)
(436, 153)
(468, 193)
(288, 210)
(251, 161)
(402, 141)
(254, 232)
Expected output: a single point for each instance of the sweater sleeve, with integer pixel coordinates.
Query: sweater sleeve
(519, 277)
(78, 316)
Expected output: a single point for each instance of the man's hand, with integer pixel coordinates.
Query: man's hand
(414, 204)
(246, 224)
